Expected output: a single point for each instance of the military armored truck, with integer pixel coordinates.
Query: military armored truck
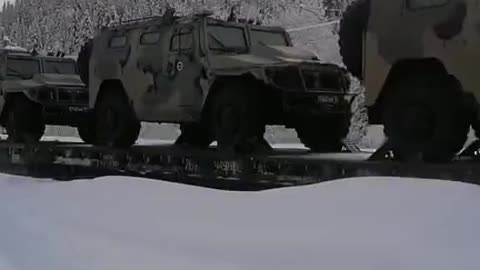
(221, 81)
(418, 62)
(38, 91)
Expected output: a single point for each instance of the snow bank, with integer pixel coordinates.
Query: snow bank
(125, 223)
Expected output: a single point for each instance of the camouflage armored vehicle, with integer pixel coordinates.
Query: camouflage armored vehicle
(417, 60)
(222, 81)
(38, 91)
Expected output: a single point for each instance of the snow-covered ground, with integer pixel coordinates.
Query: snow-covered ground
(124, 223)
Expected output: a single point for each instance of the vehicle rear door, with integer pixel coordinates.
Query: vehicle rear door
(449, 32)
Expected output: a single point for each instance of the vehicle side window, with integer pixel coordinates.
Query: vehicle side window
(182, 42)
(118, 42)
(150, 38)
(422, 4)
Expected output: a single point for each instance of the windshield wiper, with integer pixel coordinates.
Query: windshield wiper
(230, 49)
(225, 48)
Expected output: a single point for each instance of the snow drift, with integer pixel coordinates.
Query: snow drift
(124, 223)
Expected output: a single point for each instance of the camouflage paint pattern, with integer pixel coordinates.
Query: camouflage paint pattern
(449, 31)
(168, 86)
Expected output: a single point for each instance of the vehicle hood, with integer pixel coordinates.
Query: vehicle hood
(44, 80)
(262, 56)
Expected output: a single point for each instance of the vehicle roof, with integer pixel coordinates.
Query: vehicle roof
(161, 20)
(26, 54)
(244, 24)
(15, 52)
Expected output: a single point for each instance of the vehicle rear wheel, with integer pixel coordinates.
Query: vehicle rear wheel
(116, 123)
(325, 134)
(86, 131)
(424, 118)
(195, 135)
(237, 119)
(24, 121)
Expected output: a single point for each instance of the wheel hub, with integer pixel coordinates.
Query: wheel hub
(229, 121)
(416, 122)
(107, 125)
(111, 119)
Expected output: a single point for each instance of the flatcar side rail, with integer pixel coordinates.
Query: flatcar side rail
(209, 169)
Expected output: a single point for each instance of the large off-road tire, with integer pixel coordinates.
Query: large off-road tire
(196, 135)
(237, 118)
(426, 117)
(116, 123)
(352, 27)
(324, 134)
(86, 131)
(83, 61)
(24, 120)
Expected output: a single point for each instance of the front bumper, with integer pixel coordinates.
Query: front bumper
(63, 106)
(317, 103)
(67, 115)
(59, 96)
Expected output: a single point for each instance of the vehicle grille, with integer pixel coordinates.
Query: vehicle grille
(325, 78)
(63, 96)
(312, 78)
(286, 78)
(73, 96)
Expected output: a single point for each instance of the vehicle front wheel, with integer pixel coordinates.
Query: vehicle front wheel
(24, 120)
(237, 119)
(116, 123)
(324, 134)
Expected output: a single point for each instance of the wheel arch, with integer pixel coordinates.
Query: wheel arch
(400, 71)
(9, 99)
(110, 85)
(223, 80)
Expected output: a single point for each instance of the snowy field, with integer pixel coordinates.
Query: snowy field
(125, 223)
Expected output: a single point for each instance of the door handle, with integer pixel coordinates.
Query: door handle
(170, 69)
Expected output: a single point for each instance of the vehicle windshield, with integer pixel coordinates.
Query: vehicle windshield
(20, 68)
(268, 38)
(226, 39)
(60, 67)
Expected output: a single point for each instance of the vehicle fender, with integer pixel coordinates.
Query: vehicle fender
(257, 73)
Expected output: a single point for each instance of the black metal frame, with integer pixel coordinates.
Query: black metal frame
(211, 169)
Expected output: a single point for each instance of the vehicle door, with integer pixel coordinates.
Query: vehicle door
(182, 74)
(401, 29)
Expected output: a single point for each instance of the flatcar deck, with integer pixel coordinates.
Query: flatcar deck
(208, 168)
